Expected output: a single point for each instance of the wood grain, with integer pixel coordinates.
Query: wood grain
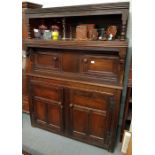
(75, 86)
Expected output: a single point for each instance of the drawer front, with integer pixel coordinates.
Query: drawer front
(106, 67)
(47, 61)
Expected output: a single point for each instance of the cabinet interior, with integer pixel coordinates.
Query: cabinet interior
(100, 21)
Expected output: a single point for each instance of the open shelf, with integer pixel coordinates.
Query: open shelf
(100, 21)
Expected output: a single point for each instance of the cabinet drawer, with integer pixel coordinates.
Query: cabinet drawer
(47, 61)
(43, 90)
(106, 67)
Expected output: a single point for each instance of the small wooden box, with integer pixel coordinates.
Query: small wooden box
(81, 32)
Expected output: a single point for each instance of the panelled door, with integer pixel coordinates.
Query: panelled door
(90, 114)
(47, 105)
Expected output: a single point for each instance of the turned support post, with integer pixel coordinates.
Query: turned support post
(28, 28)
(124, 25)
(64, 28)
(122, 56)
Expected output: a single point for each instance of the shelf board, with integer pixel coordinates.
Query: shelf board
(76, 44)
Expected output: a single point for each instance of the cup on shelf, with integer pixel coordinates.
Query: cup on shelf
(55, 32)
(47, 35)
(36, 33)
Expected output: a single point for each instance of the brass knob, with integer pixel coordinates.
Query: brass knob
(85, 60)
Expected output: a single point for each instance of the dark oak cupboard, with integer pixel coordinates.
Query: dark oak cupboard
(75, 86)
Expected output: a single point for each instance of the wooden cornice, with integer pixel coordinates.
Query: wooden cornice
(79, 10)
(31, 5)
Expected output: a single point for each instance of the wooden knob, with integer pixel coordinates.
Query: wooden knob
(85, 60)
(71, 105)
(55, 58)
(59, 103)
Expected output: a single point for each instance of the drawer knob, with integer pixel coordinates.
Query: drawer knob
(85, 60)
(71, 105)
(55, 58)
(59, 103)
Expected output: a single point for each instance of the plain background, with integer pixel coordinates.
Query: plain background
(11, 74)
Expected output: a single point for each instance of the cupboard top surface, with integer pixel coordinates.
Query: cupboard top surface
(93, 9)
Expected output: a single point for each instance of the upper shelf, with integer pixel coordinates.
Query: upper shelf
(68, 19)
(75, 44)
(79, 10)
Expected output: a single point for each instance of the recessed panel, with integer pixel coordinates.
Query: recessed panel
(40, 110)
(80, 120)
(89, 99)
(97, 125)
(48, 92)
(54, 115)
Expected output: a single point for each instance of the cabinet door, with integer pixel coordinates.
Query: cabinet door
(47, 105)
(90, 116)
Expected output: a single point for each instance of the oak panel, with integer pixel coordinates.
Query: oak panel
(70, 62)
(89, 99)
(97, 125)
(100, 66)
(54, 115)
(53, 93)
(80, 125)
(40, 110)
(47, 61)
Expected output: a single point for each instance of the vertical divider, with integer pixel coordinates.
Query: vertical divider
(66, 110)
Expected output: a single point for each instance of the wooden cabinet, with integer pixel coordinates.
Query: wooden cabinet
(85, 114)
(75, 86)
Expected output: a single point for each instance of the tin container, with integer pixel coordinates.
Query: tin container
(47, 35)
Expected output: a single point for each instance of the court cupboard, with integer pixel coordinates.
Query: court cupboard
(75, 85)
